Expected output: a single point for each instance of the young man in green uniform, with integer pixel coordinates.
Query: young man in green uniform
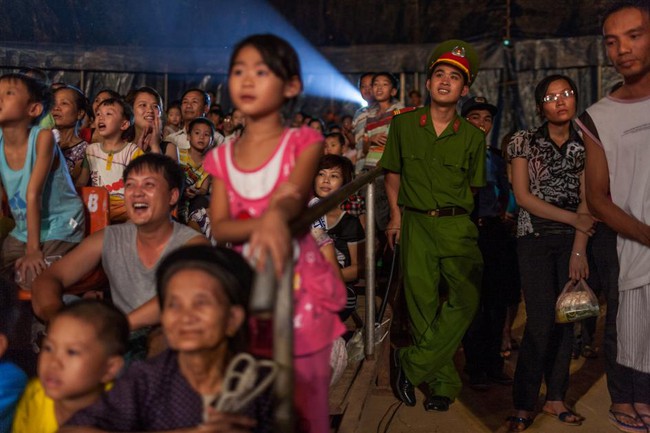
(434, 161)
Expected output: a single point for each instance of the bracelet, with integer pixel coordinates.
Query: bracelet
(392, 228)
(575, 253)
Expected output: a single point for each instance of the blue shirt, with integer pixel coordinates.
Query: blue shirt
(62, 216)
(12, 384)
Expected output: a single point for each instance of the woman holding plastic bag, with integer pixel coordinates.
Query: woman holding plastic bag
(552, 232)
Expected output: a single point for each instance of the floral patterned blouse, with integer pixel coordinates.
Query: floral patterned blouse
(554, 175)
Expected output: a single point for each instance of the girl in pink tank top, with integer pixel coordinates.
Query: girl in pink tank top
(261, 181)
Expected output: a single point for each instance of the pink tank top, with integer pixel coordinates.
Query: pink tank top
(318, 292)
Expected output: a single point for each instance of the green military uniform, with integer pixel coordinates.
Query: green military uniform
(437, 172)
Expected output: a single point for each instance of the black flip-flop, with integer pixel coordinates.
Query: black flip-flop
(562, 417)
(615, 418)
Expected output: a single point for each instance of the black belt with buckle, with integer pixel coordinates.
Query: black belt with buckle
(441, 212)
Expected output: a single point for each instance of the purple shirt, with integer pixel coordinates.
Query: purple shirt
(153, 395)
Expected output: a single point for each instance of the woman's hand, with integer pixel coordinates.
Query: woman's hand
(578, 267)
(585, 223)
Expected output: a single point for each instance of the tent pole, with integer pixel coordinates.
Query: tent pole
(416, 81)
(166, 89)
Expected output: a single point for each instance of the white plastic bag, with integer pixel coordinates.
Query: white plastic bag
(576, 302)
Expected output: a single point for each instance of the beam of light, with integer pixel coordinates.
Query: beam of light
(320, 77)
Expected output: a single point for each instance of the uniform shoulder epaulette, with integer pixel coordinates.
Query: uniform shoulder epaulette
(399, 111)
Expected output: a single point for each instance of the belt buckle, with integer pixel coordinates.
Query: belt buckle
(434, 212)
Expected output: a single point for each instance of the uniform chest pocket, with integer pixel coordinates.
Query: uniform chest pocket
(414, 158)
(456, 167)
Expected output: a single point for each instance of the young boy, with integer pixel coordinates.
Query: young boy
(12, 378)
(45, 207)
(334, 143)
(105, 162)
(81, 355)
(196, 199)
(384, 91)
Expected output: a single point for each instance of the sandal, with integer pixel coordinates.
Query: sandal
(616, 418)
(518, 423)
(644, 417)
(563, 417)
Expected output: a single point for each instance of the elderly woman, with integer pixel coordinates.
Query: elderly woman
(203, 292)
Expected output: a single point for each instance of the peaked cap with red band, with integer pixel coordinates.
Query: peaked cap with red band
(456, 53)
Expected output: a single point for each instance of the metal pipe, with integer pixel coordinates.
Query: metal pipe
(283, 351)
(369, 336)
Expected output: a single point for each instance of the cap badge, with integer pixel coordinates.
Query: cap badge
(458, 51)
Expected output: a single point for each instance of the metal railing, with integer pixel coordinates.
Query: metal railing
(279, 303)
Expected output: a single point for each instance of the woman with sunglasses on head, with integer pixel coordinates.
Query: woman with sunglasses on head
(552, 231)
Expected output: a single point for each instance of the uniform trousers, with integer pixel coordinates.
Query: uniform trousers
(435, 250)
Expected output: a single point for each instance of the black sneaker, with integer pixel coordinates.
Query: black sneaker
(404, 389)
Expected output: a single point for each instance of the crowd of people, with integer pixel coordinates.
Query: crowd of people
(199, 200)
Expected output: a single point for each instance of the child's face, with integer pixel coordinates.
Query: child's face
(73, 363)
(148, 197)
(145, 109)
(201, 137)
(110, 121)
(193, 105)
(101, 97)
(315, 124)
(382, 89)
(14, 102)
(365, 88)
(482, 119)
(347, 123)
(238, 119)
(333, 146)
(65, 112)
(254, 89)
(327, 181)
(174, 116)
(215, 118)
(196, 314)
